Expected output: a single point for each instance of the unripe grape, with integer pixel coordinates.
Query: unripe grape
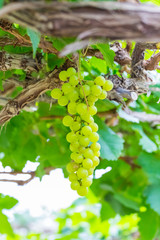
(96, 90)
(82, 172)
(73, 148)
(97, 154)
(103, 95)
(81, 149)
(108, 86)
(96, 161)
(63, 101)
(81, 108)
(86, 130)
(73, 177)
(56, 93)
(71, 137)
(78, 158)
(90, 171)
(63, 76)
(87, 117)
(88, 153)
(71, 71)
(73, 96)
(92, 110)
(72, 108)
(82, 191)
(85, 89)
(95, 146)
(94, 137)
(100, 81)
(72, 167)
(75, 126)
(93, 126)
(92, 99)
(75, 185)
(67, 121)
(87, 163)
(67, 88)
(84, 141)
(86, 182)
(73, 80)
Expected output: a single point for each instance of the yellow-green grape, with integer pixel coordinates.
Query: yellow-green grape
(93, 126)
(96, 90)
(82, 191)
(84, 141)
(108, 86)
(90, 83)
(90, 171)
(87, 163)
(81, 149)
(63, 76)
(86, 130)
(92, 99)
(94, 137)
(67, 121)
(85, 89)
(71, 137)
(63, 101)
(78, 158)
(95, 147)
(67, 88)
(97, 154)
(71, 71)
(75, 185)
(81, 108)
(73, 148)
(72, 108)
(88, 153)
(100, 81)
(87, 117)
(86, 182)
(72, 167)
(75, 126)
(73, 177)
(73, 80)
(95, 161)
(92, 110)
(73, 96)
(82, 172)
(56, 93)
(103, 95)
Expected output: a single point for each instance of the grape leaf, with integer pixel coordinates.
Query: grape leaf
(35, 39)
(107, 53)
(152, 194)
(106, 211)
(7, 202)
(5, 227)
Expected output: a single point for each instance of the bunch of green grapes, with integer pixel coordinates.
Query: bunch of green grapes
(80, 96)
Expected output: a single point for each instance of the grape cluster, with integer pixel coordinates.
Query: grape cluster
(80, 96)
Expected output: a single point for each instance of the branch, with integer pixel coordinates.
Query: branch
(88, 19)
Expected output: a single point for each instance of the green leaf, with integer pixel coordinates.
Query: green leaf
(111, 143)
(152, 194)
(147, 144)
(7, 202)
(1, 3)
(99, 64)
(147, 230)
(106, 211)
(35, 39)
(5, 227)
(107, 53)
(127, 201)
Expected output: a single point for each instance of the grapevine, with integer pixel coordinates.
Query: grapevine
(80, 96)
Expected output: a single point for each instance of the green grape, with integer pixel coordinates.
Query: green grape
(86, 130)
(97, 154)
(63, 101)
(82, 172)
(87, 163)
(96, 90)
(92, 99)
(88, 153)
(103, 95)
(100, 81)
(78, 119)
(90, 83)
(75, 185)
(82, 191)
(67, 88)
(71, 137)
(87, 117)
(73, 80)
(73, 177)
(90, 171)
(85, 89)
(56, 93)
(73, 96)
(94, 137)
(71, 71)
(78, 158)
(81, 108)
(75, 126)
(72, 167)
(95, 147)
(63, 76)
(108, 86)
(95, 161)
(73, 148)
(93, 126)
(92, 110)
(81, 149)
(67, 121)
(72, 108)
(86, 182)
(84, 141)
